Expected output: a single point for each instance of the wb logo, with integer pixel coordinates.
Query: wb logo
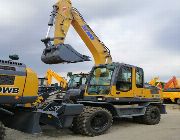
(9, 90)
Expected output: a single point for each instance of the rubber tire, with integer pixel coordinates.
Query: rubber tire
(83, 125)
(74, 127)
(146, 119)
(178, 101)
(2, 131)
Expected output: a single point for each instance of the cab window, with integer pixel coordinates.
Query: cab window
(124, 79)
(139, 78)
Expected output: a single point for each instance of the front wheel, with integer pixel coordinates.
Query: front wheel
(94, 121)
(152, 115)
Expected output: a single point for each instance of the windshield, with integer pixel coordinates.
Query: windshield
(100, 80)
(76, 81)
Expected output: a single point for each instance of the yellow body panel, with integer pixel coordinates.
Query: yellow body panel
(31, 85)
(171, 95)
(18, 83)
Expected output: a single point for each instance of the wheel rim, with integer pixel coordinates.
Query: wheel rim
(99, 122)
(154, 115)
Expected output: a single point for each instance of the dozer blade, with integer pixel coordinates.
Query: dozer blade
(62, 53)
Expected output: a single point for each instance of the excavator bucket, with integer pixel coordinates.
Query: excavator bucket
(62, 53)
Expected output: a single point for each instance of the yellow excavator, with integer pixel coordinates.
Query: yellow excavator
(50, 75)
(19, 92)
(47, 89)
(112, 89)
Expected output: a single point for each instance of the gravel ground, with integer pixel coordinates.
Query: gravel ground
(168, 129)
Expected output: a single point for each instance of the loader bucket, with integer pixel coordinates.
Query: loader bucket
(62, 53)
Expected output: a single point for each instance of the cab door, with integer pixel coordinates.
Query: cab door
(139, 83)
(124, 82)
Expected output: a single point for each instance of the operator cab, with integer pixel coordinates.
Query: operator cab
(77, 80)
(117, 81)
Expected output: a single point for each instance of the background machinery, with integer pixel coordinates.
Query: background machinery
(47, 89)
(62, 82)
(170, 90)
(114, 90)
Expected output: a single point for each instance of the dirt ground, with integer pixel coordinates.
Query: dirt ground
(168, 129)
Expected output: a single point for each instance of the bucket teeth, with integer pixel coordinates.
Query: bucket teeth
(62, 53)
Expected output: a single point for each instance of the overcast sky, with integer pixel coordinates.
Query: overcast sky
(145, 33)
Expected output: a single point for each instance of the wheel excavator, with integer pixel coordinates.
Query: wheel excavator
(19, 92)
(113, 89)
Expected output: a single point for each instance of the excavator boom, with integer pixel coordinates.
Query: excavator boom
(64, 16)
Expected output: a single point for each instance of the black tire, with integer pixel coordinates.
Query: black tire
(94, 121)
(152, 115)
(74, 127)
(2, 131)
(178, 101)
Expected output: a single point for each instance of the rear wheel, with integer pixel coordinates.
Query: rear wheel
(152, 115)
(2, 131)
(94, 121)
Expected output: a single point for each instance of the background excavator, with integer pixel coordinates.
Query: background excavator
(48, 79)
(46, 86)
(109, 85)
(170, 90)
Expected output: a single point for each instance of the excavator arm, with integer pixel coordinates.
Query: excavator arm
(50, 74)
(62, 17)
(172, 83)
